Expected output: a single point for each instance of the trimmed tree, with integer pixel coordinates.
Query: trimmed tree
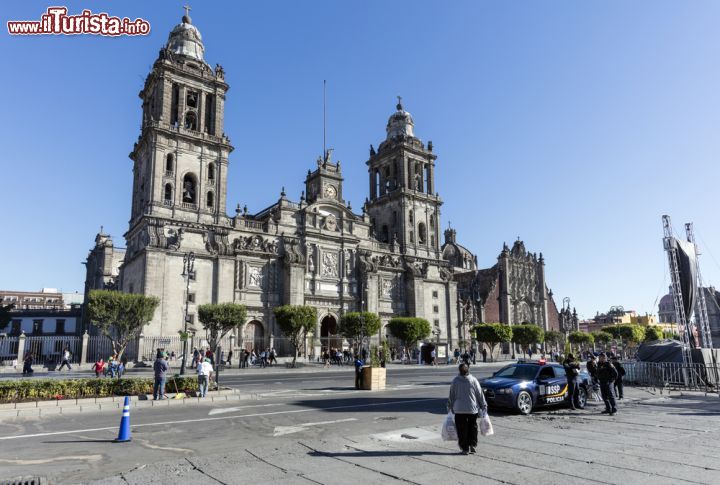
(613, 330)
(492, 334)
(355, 325)
(526, 335)
(602, 338)
(580, 339)
(409, 329)
(653, 333)
(295, 321)
(554, 339)
(220, 319)
(120, 316)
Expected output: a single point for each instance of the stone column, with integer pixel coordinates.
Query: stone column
(21, 352)
(140, 342)
(84, 351)
(232, 342)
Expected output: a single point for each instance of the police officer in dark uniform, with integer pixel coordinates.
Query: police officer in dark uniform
(607, 375)
(621, 373)
(572, 371)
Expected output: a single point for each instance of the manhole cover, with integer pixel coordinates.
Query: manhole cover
(386, 418)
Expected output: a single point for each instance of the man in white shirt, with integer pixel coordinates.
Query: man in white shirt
(204, 371)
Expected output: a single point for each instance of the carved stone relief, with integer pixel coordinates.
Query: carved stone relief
(330, 264)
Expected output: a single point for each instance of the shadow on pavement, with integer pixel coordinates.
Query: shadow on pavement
(432, 405)
(77, 441)
(374, 454)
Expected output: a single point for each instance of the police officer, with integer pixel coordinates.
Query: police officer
(572, 370)
(621, 373)
(607, 375)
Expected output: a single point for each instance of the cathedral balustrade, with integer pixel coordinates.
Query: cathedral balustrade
(254, 225)
(188, 205)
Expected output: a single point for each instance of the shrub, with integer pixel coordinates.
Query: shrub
(48, 389)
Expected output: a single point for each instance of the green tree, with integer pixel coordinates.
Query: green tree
(554, 339)
(653, 333)
(603, 338)
(295, 321)
(120, 316)
(220, 319)
(491, 334)
(409, 329)
(613, 330)
(580, 339)
(355, 325)
(527, 335)
(632, 334)
(5, 316)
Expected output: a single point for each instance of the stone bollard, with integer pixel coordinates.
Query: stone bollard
(84, 350)
(21, 352)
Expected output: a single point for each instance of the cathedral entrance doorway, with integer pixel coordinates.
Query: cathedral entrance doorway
(329, 337)
(253, 336)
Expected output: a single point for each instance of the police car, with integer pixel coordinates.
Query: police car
(524, 386)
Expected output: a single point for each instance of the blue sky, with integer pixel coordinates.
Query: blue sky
(574, 125)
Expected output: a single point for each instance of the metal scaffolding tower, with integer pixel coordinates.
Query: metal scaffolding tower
(682, 322)
(701, 316)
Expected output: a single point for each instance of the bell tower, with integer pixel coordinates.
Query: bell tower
(402, 205)
(181, 157)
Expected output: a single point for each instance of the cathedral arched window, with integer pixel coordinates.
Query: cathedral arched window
(191, 121)
(210, 200)
(170, 163)
(422, 233)
(385, 233)
(168, 193)
(432, 221)
(410, 215)
(211, 171)
(190, 189)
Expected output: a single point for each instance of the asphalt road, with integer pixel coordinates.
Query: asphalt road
(314, 428)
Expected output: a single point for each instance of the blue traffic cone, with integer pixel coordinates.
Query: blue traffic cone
(124, 434)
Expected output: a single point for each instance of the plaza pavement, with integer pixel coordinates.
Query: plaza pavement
(302, 433)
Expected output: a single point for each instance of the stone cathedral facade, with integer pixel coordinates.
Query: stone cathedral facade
(387, 259)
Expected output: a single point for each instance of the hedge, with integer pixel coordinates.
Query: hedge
(49, 389)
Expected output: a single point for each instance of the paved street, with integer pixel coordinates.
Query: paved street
(314, 428)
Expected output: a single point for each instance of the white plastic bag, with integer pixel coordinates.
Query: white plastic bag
(486, 428)
(449, 433)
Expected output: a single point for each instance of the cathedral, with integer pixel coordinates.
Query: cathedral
(387, 259)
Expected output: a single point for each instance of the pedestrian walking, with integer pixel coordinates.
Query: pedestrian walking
(572, 371)
(607, 375)
(229, 359)
(466, 401)
(433, 356)
(359, 363)
(621, 373)
(196, 357)
(66, 356)
(27, 364)
(484, 354)
(204, 373)
(99, 366)
(160, 368)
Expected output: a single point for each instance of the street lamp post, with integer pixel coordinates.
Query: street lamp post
(188, 273)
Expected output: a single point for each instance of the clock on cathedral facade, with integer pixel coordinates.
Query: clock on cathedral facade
(317, 251)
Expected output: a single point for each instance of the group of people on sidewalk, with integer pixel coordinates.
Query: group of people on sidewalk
(605, 375)
(201, 363)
